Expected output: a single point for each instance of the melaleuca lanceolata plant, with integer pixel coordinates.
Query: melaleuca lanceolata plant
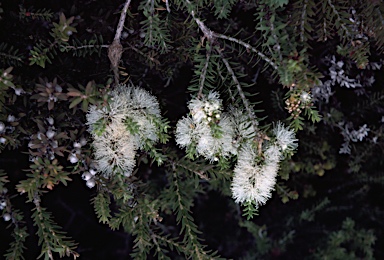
(80, 100)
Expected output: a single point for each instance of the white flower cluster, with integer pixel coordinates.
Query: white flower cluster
(210, 132)
(214, 135)
(254, 180)
(45, 143)
(121, 128)
(76, 151)
(89, 177)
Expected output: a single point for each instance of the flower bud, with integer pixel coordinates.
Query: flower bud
(2, 140)
(90, 183)
(2, 127)
(3, 204)
(76, 145)
(11, 118)
(73, 158)
(86, 176)
(92, 171)
(83, 141)
(50, 134)
(7, 217)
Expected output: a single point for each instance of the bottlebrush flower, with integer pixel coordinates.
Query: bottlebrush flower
(122, 127)
(186, 132)
(115, 149)
(209, 133)
(254, 181)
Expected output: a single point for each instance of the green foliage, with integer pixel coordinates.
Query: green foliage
(43, 14)
(62, 30)
(154, 27)
(10, 55)
(309, 215)
(223, 8)
(44, 52)
(84, 96)
(250, 210)
(348, 243)
(17, 246)
(101, 205)
(45, 174)
(272, 67)
(5, 83)
(51, 238)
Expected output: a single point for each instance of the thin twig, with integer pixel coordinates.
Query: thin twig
(204, 72)
(120, 26)
(240, 90)
(278, 47)
(248, 47)
(85, 46)
(115, 50)
(211, 37)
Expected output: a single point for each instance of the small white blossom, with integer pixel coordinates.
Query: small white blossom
(186, 132)
(11, 118)
(73, 158)
(189, 132)
(285, 137)
(18, 91)
(50, 134)
(7, 217)
(272, 154)
(86, 176)
(83, 141)
(50, 120)
(54, 144)
(2, 127)
(204, 108)
(58, 88)
(3, 204)
(77, 145)
(305, 97)
(90, 183)
(2, 140)
(92, 171)
(147, 131)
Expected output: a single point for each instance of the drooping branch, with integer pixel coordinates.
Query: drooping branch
(239, 89)
(204, 72)
(248, 47)
(211, 37)
(115, 50)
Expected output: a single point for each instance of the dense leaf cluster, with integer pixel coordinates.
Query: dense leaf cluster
(315, 65)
